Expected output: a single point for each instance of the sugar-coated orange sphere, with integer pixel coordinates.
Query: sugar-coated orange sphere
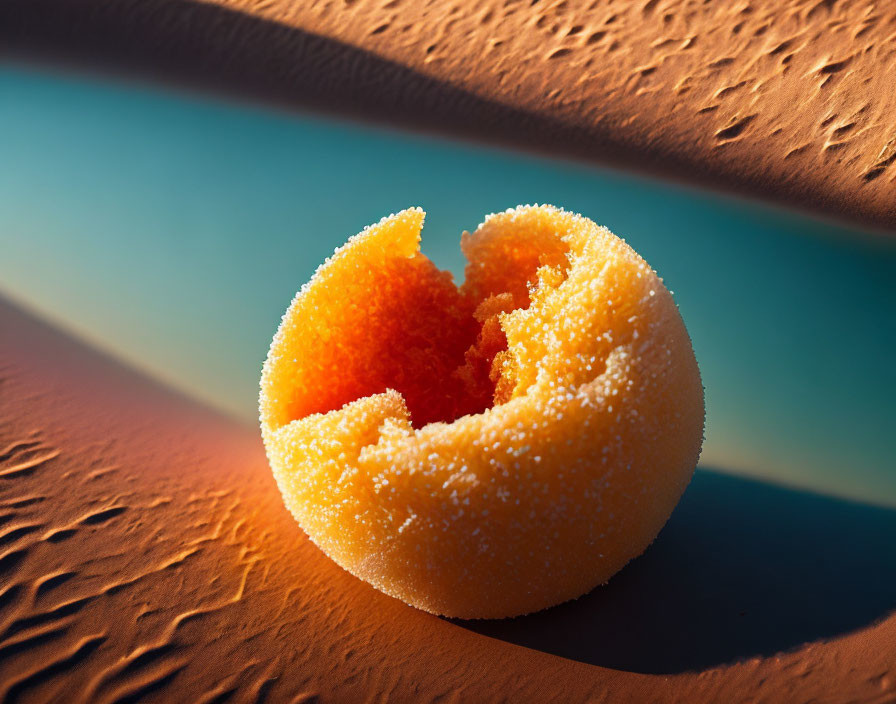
(493, 449)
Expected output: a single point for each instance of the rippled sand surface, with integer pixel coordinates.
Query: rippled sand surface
(147, 556)
(790, 100)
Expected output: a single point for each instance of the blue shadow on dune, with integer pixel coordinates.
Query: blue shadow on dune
(742, 569)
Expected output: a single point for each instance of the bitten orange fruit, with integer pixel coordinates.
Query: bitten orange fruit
(493, 449)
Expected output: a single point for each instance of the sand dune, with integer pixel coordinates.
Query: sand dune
(146, 555)
(791, 101)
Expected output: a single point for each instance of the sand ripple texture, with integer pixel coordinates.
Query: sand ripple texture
(145, 555)
(787, 99)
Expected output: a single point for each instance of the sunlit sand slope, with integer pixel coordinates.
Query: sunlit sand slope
(145, 554)
(787, 99)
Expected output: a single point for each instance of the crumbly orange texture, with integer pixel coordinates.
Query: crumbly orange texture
(489, 450)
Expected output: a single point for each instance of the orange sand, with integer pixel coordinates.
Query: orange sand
(491, 450)
(787, 99)
(146, 555)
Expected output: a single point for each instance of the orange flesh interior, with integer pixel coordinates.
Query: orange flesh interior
(437, 347)
(440, 346)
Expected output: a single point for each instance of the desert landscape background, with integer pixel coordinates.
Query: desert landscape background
(152, 231)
